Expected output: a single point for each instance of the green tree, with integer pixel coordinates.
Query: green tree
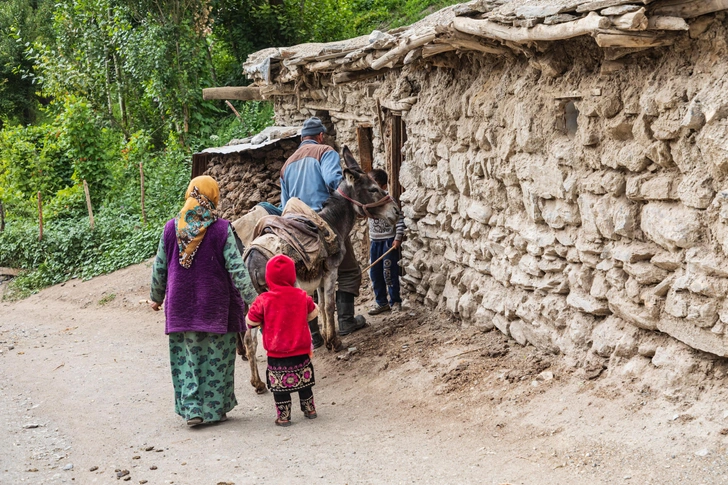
(142, 64)
(22, 22)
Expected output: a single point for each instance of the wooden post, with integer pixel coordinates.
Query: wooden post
(381, 127)
(2, 217)
(141, 178)
(40, 217)
(88, 204)
(366, 149)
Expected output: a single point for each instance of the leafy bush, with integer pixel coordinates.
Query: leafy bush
(31, 160)
(70, 249)
(255, 116)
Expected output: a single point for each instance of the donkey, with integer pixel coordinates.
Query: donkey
(357, 195)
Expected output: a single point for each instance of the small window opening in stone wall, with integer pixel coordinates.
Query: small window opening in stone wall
(570, 119)
(364, 136)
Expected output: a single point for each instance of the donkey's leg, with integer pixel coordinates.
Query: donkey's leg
(333, 342)
(323, 317)
(251, 348)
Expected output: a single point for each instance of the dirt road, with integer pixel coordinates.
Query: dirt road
(84, 385)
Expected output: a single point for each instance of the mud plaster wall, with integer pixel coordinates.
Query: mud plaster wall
(602, 238)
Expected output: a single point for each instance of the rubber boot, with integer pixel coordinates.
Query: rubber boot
(345, 312)
(316, 337)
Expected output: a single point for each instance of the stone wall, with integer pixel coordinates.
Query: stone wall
(577, 205)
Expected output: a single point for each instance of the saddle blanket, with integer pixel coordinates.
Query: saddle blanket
(299, 233)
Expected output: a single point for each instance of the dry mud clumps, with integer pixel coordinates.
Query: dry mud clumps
(249, 177)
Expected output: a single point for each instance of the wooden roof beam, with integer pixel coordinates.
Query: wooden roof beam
(521, 35)
(240, 93)
(688, 9)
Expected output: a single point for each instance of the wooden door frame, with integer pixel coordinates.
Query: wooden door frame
(397, 139)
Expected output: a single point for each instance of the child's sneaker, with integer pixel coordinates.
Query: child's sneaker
(396, 307)
(379, 309)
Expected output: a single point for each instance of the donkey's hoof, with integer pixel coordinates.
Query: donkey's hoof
(259, 387)
(334, 346)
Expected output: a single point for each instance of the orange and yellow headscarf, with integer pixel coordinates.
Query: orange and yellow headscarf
(196, 216)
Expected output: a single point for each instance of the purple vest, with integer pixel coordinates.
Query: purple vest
(202, 298)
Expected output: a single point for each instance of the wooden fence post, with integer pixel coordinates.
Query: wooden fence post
(141, 178)
(88, 204)
(2, 217)
(40, 217)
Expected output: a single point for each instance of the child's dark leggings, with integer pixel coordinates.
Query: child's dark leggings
(283, 402)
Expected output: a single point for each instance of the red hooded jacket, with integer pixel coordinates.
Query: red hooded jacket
(283, 311)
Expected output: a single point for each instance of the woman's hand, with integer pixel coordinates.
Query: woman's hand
(155, 306)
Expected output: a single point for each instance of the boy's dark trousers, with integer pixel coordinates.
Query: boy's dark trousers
(385, 274)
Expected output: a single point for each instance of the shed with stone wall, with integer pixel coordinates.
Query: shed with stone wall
(562, 163)
(248, 170)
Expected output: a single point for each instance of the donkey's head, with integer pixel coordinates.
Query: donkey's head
(368, 198)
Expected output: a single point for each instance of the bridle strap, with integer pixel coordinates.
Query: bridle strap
(384, 200)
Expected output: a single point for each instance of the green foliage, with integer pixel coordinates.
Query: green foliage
(389, 14)
(107, 299)
(91, 148)
(92, 89)
(31, 160)
(53, 157)
(22, 22)
(247, 26)
(255, 116)
(69, 249)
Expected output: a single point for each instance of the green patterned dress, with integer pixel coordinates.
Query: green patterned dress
(202, 363)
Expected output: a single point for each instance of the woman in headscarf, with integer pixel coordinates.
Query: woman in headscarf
(200, 276)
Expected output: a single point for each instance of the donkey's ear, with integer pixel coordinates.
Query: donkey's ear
(351, 176)
(349, 159)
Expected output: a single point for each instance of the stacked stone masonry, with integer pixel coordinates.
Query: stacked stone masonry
(582, 210)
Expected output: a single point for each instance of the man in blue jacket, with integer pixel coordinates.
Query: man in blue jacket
(312, 173)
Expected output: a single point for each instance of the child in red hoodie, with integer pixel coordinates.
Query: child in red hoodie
(284, 312)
